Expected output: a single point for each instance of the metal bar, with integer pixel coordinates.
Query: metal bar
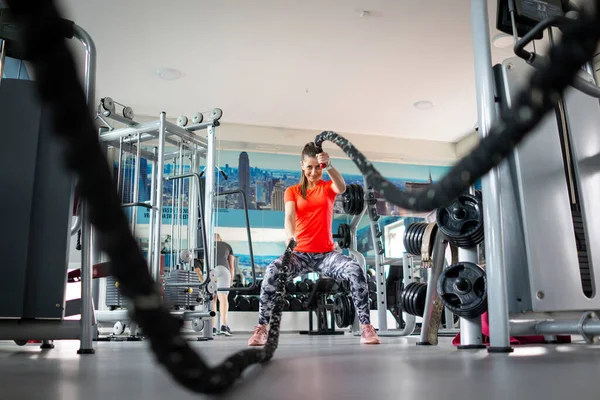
(137, 204)
(136, 188)
(495, 269)
(248, 233)
(160, 166)
(209, 197)
(589, 327)
(470, 329)
(186, 135)
(180, 206)
(90, 253)
(173, 188)
(2, 57)
(193, 210)
(145, 128)
(90, 64)
(434, 273)
(153, 211)
(202, 125)
(40, 330)
(119, 118)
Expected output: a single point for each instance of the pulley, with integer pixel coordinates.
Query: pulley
(462, 221)
(343, 234)
(462, 288)
(413, 237)
(354, 199)
(413, 298)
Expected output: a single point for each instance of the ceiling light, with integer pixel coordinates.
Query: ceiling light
(503, 41)
(168, 74)
(423, 105)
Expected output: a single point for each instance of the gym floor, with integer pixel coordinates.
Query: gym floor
(317, 367)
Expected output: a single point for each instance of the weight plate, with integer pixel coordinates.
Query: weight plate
(462, 288)
(21, 342)
(118, 328)
(197, 324)
(185, 256)
(462, 221)
(212, 287)
(197, 118)
(339, 311)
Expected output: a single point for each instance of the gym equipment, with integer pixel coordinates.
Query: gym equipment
(186, 366)
(344, 236)
(344, 310)
(462, 221)
(413, 298)
(354, 199)
(462, 288)
(324, 310)
(413, 237)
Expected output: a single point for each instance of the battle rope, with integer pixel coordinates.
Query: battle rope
(540, 96)
(57, 83)
(59, 88)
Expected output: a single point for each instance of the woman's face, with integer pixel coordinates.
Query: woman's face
(311, 168)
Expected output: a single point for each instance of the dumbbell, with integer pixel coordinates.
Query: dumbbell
(254, 303)
(297, 303)
(243, 303)
(290, 287)
(372, 287)
(287, 303)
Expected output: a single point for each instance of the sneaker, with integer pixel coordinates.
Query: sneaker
(259, 337)
(225, 330)
(369, 336)
(215, 332)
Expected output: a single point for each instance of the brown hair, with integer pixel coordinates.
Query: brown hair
(310, 150)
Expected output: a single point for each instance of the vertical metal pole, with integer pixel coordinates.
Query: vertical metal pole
(209, 197)
(90, 253)
(153, 212)
(470, 329)
(174, 184)
(136, 185)
(192, 223)
(180, 204)
(2, 55)
(160, 167)
(496, 274)
(120, 167)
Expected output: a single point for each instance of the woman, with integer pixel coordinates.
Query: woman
(308, 219)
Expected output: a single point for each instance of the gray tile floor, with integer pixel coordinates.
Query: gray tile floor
(310, 368)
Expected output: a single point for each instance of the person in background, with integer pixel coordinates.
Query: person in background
(224, 272)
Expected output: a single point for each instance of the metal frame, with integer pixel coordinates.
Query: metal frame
(551, 303)
(84, 328)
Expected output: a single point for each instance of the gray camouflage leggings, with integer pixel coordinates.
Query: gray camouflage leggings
(334, 265)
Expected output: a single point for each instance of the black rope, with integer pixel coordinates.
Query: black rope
(540, 96)
(56, 78)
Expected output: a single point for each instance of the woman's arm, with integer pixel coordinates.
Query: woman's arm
(338, 184)
(290, 221)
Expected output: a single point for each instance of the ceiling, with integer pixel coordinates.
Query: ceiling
(302, 64)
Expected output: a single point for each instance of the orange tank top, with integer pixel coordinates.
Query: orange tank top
(314, 217)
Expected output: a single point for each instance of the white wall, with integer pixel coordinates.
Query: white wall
(291, 141)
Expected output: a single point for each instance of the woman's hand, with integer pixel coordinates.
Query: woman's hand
(288, 240)
(323, 158)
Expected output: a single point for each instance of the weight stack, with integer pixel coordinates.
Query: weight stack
(178, 296)
(113, 296)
